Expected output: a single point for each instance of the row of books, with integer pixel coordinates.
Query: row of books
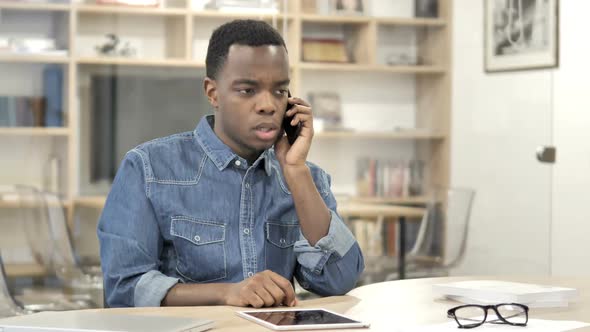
(22, 111)
(379, 238)
(389, 178)
(44, 110)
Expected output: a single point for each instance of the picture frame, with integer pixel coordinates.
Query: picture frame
(520, 34)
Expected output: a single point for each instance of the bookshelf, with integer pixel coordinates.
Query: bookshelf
(179, 27)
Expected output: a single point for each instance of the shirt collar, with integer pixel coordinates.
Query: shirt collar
(219, 152)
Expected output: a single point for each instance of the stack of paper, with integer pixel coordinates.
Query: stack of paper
(494, 292)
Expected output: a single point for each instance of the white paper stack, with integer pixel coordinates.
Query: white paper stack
(494, 292)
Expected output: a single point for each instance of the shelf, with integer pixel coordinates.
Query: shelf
(117, 61)
(402, 135)
(24, 270)
(353, 209)
(33, 58)
(230, 14)
(34, 6)
(31, 131)
(372, 68)
(335, 19)
(96, 202)
(416, 22)
(130, 10)
(391, 200)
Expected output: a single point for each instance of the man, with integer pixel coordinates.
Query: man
(219, 216)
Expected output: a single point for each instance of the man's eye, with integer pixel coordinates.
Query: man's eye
(282, 92)
(246, 91)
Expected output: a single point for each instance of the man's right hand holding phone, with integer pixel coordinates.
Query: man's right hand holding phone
(264, 289)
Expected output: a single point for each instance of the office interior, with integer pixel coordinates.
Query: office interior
(464, 118)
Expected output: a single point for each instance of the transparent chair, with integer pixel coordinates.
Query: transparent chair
(34, 216)
(9, 306)
(442, 236)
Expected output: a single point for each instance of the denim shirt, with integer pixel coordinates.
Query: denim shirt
(185, 208)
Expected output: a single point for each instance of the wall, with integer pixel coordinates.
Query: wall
(498, 121)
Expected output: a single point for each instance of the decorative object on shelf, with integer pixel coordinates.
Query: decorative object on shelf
(111, 47)
(326, 109)
(347, 7)
(402, 59)
(244, 6)
(324, 50)
(30, 45)
(139, 3)
(520, 34)
(426, 8)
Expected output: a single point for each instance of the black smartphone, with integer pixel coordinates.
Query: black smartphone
(291, 131)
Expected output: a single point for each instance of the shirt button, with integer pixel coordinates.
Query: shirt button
(197, 238)
(282, 241)
(238, 163)
(247, 185)
(250, 274)
(246, 231)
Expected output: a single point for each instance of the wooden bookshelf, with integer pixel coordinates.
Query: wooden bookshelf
(24, 270)
(33, 131)
(180, 27)
(351, 67)
(34, 6)
(33, 58)
(402, 135)
(119, 61)
(127, 10)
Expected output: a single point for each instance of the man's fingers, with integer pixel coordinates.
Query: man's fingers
(286, 286)
(268, 299)
(277, 293)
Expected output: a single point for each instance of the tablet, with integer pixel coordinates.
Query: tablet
(300, 319)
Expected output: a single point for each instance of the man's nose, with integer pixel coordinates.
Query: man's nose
(266, 104)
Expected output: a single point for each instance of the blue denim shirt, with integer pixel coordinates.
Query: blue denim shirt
(185, 208)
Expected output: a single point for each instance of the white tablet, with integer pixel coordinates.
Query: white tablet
(300, 319)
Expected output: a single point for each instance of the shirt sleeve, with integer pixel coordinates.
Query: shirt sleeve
(130, 240)
(334, 265)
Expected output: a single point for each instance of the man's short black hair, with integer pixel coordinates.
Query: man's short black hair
(241, 32)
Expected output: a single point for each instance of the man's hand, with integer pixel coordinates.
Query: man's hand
(264, 289)
(295, 155)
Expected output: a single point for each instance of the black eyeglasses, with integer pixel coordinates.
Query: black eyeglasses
(472, 315)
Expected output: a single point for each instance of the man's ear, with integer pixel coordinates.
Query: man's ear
(210, 87)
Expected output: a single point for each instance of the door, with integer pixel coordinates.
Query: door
(571, 216)
(499, 120)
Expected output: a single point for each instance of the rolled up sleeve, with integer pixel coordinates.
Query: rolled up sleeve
(334, 265)
(130, 240)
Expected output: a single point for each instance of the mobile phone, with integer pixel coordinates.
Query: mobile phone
(291, 131)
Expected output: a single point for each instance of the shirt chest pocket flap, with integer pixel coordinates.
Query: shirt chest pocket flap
(282, 235)
(200, 248)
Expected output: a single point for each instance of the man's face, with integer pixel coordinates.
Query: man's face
(250, 98)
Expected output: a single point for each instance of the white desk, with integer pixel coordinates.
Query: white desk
(386, 305)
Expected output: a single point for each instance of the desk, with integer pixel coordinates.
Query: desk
(400, 213)
(387, 305)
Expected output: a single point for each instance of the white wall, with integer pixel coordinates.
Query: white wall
(498, 121)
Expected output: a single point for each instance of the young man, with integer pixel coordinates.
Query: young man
(219, 216)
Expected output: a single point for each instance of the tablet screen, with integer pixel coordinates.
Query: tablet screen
(301, 317)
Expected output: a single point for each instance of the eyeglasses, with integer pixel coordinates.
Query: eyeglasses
(472, 315)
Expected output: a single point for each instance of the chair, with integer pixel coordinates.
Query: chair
(442, 236)
(9, 306)
(34, 214)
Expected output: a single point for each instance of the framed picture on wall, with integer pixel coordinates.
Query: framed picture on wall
(520, 34)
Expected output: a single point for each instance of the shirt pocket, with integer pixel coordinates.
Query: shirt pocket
(200, 248)
(280, 240)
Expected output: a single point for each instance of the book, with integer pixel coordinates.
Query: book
(494, 291)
